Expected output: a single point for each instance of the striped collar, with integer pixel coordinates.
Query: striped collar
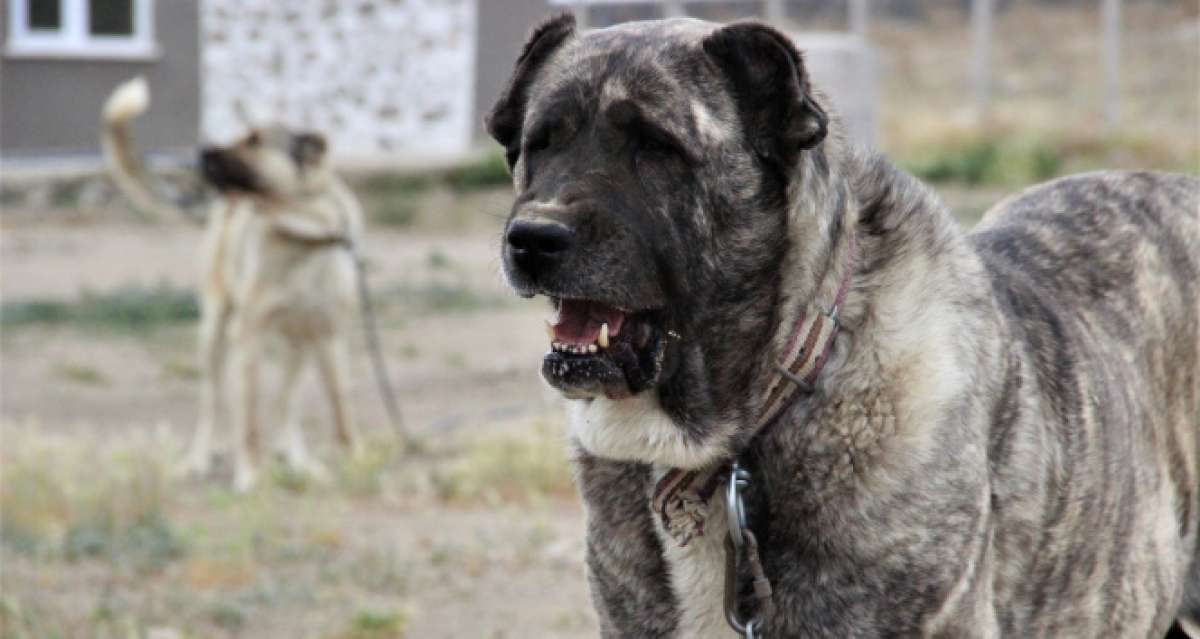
(680, 498)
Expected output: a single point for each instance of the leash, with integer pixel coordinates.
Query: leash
(371, 331)
(366, 304)
(681, 498)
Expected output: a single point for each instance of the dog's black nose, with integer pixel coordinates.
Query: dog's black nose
(210, 163)
(535, 245)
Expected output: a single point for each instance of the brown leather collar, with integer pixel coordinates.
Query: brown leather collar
(680, 498)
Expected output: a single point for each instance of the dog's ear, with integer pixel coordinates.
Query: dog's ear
(506, 117)
(771, 88)
(308, 149)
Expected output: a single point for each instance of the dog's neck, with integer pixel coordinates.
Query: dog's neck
(859, 206)
(905, 242)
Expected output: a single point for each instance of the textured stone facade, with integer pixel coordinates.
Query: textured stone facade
(378, 76)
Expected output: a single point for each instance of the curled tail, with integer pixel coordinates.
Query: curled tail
(128, 101)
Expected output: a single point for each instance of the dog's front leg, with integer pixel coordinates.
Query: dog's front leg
(245, 459)
(628, 576)
(295, 450)
(332, 361)
(213, 344)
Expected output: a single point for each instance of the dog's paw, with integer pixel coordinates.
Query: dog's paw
(244, 479)
(314, 469)
(194, 465)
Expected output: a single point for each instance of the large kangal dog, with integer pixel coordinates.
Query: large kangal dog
(936, 433)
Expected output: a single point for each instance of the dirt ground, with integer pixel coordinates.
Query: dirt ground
(451, 542)
(479, 534)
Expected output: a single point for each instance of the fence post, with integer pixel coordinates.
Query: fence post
(981, 56)
(774, 12)
(580, 9)
(1111, 18)
(858, 18)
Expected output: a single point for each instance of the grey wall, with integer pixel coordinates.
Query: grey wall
(843, 66)
(502, 28)
(52, 106)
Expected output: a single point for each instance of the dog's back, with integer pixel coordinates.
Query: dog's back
(1098, 277)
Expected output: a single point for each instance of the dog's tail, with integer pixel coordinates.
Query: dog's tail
(128, 101)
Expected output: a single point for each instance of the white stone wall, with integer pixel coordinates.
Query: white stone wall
(390, 77)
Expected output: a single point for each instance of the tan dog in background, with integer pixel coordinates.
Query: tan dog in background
(277, 263)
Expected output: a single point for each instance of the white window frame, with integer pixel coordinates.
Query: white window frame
(73, 40)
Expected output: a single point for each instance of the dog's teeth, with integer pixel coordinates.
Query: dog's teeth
(592, 348)
(550, 331)
(603, 339)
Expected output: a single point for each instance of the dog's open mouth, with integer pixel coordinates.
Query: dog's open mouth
(597, 349)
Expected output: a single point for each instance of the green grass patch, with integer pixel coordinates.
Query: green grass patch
(1009, 159)
(81, 374)
(395, 199)
(987, 160)
(391, 199)
(375, 624)
(490, 171)
(130, 308)
(443, 297)
(180, 368)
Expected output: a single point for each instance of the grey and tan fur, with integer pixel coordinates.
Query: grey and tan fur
(1006, 438)
(275, 264)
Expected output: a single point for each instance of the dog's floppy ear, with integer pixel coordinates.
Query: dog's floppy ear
(506, 117)
(308, 148)
(771, 88)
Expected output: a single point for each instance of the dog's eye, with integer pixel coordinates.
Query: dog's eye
(657, 147)
(539, 139)
(254, 139)
(656, 142)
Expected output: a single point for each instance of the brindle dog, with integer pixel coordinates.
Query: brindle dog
(1003, 439)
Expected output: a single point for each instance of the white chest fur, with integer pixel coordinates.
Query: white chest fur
(637, 429)
(698, 576)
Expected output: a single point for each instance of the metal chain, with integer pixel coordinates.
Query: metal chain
(741, 541)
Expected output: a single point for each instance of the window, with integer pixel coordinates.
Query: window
(81, 28)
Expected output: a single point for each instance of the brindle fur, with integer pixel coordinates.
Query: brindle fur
(1005, 439)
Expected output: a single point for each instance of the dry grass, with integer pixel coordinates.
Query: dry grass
(521, 467)
(97, 540)
(1047, 85)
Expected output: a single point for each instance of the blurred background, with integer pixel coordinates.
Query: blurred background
(478, 533)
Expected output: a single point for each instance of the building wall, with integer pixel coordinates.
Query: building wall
(379, 78)
(842, 65)
(503, 28)
(52, 106)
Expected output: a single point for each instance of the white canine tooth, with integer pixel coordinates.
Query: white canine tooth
(592, 348)
(550, 331)
(603, 339)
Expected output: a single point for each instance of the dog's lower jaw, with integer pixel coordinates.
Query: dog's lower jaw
(637, 429)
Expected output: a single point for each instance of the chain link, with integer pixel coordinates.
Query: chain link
(741, 541)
